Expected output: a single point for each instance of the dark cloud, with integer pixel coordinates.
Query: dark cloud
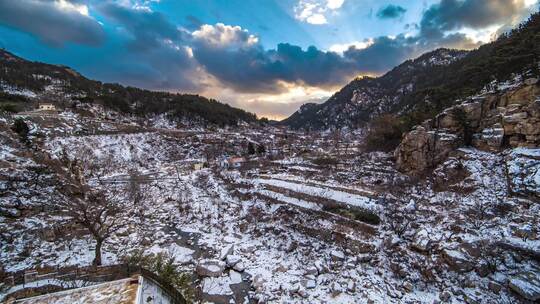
(391, 12)
(384, 54)
(50, 22)
(449, 15)
(158, 57)
(148, 28)
(247, 67)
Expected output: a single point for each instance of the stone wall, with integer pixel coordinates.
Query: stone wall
(490, 122)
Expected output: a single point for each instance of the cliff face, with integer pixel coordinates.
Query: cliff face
(492, 121)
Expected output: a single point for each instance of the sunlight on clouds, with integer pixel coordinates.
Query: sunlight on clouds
(334, 4)
(293, 93)
(280, 106)
(484, 35)
(272, 106)
(315, 11)
(359, 45)
(68, 6)
(316, 19)
(225, 35)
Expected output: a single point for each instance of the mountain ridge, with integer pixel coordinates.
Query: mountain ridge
(435, 86)
(22, 80)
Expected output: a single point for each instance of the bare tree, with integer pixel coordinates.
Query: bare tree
(96, 211)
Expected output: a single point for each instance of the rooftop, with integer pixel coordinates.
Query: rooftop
(120, 292)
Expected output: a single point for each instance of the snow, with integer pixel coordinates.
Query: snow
(120, 291)
(217, 286)
(252, 218)
(17, 91)
(340, 196)
(180, 254)
(290, 200)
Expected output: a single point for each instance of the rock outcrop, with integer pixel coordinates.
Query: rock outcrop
(527, 285)
(489, 122)
(523, 171)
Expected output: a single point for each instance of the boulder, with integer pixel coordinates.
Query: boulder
(239, 267)
(494, 287)
(457, 260)
(232, 260)
(210, 268)
(422, 240)
(490, 139)
(523, 95)
(337, 255)
(258, 282)
(527, 285)
(531, 81)
(309, 284)
(408, 286)
(311, 270)
(421, 149)
(225, 251)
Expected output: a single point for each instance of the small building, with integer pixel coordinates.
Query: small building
(198, 166)
(236, 162)
(46, 107)
(231, 162)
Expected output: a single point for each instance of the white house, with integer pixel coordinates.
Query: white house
(232, 162)
(46, 107)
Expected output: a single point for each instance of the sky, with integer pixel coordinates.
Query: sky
(265, 56)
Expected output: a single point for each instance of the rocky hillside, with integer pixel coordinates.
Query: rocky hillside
(419, 89)
(364, 98)
(23, 81)
(507, 116)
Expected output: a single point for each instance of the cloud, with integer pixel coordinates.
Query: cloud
(391, 12)
(236, 58)
(316, 11)
(53, 22)
(341, 48)
(224, 36)
(148, 29)
(159, 55)
(273, 106)
(451, 15)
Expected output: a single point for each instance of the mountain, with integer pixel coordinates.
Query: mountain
(420, 89)
(22, 81)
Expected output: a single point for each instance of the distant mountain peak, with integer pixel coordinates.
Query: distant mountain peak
(422, 87)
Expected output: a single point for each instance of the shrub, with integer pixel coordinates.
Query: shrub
(325, 161)
(354, 213)
(163, 265)
(9, 108)
(384, 133)
(20, 127)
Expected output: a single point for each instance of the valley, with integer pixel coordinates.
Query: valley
(308, 217)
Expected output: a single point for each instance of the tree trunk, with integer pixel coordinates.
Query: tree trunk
(97, 258)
